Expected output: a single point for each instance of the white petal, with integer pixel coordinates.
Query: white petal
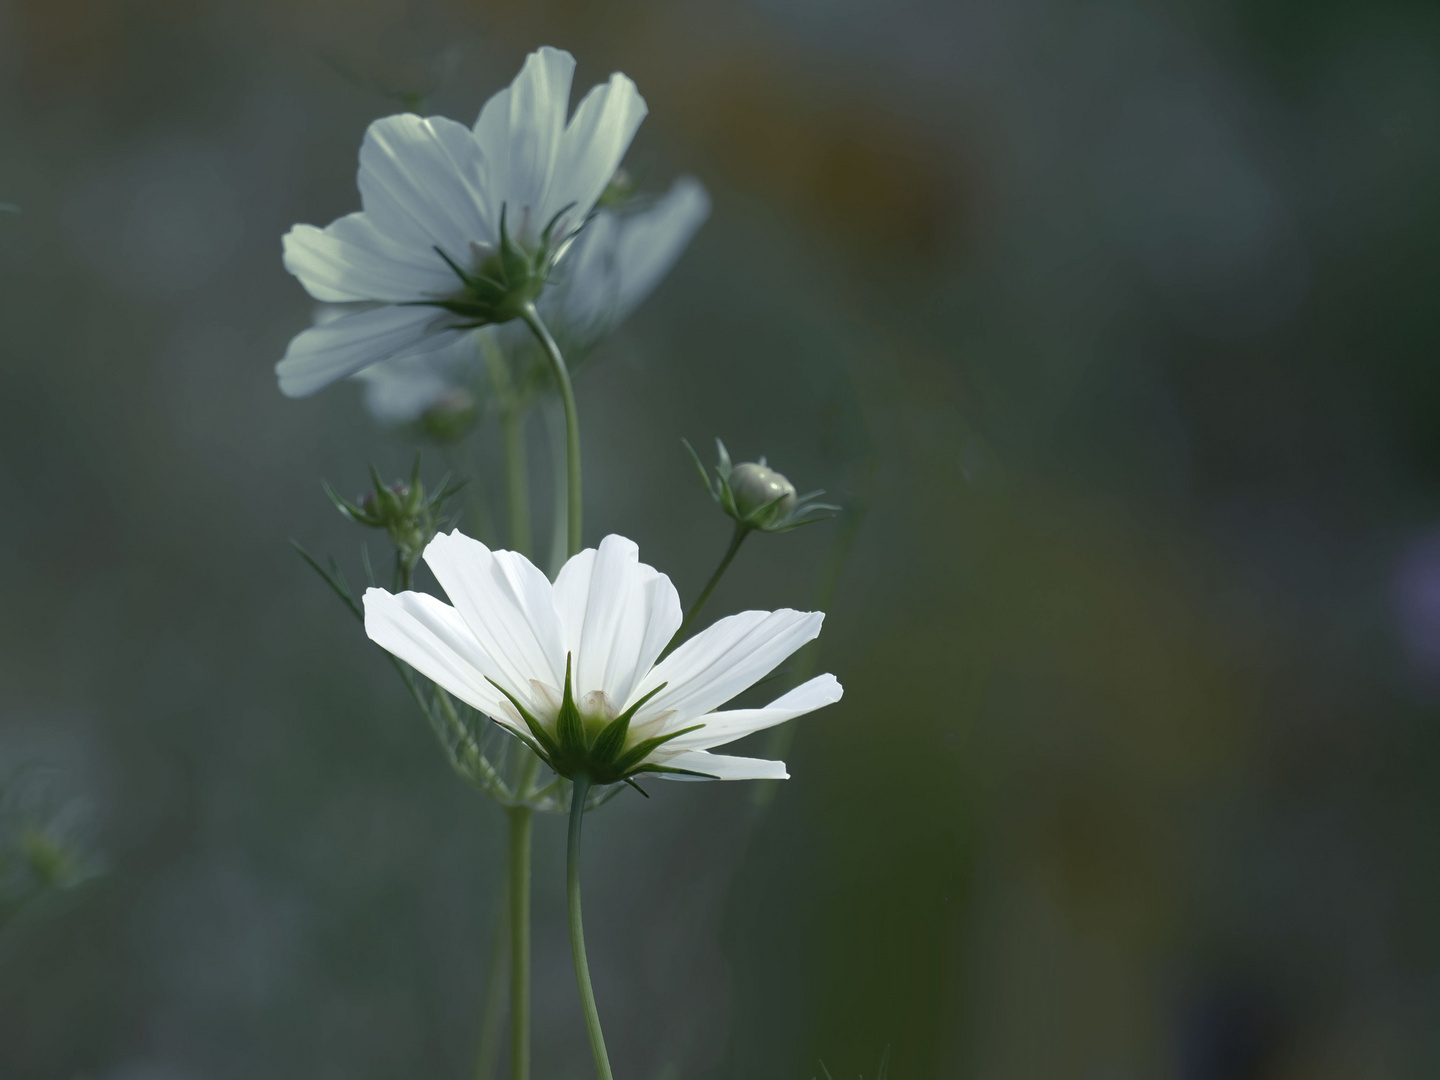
(723, 767)
(492, 135)
(620, 258)
(650, 242)
(586, 289)
(319, 356)
(431, 637)
(507, 603)
(595, 142)
(539, 100)
(724, 659)
(725, 727)
(402, 388)
(422, 182)
(617, 614)
(349, 260)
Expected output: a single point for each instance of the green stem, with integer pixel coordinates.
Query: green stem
(572, 423)
(521, 819)
(512, 440)
(494, 1009)
(555, 426)
(736, 539)
(578, 794)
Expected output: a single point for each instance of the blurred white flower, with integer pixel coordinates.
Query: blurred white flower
(619, 260)
(614, 264)
(403, 388)
(440, 200)
(571, 668)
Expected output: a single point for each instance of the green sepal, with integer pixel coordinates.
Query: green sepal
(569, 728)
(550, 749)
(724, 468)
(550, 227)
(609, 742)
(700, 467)
(347, 508)
(514, 263)
(386, 503)
(415, 491)
(676, 772)
(636, 786)
(640, 750)
(464, 276)
(758, 517)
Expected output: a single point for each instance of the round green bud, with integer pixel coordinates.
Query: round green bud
(755, 486)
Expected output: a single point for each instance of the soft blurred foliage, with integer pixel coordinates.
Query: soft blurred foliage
(1117, 319)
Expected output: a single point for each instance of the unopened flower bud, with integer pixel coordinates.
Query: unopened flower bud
(758, 497)
(758, 487)
(386, 504)
(403, 509)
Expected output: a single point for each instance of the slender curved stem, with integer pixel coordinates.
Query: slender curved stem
(572, 423)
(521, 820)
(578, 795)
(493, 1011)
(555, 427)
(512, 440)
(736, 539)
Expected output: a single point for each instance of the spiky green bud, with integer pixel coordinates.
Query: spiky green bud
(404, 510)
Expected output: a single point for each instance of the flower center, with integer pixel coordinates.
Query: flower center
(503, 281)
(589, 736)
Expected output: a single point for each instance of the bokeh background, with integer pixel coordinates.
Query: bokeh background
(1114, 326)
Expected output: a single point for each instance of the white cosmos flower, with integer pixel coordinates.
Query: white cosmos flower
(571, 667)
(614, 264)
(434, 190)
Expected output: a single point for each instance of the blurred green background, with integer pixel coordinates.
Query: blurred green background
(1118, 318)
